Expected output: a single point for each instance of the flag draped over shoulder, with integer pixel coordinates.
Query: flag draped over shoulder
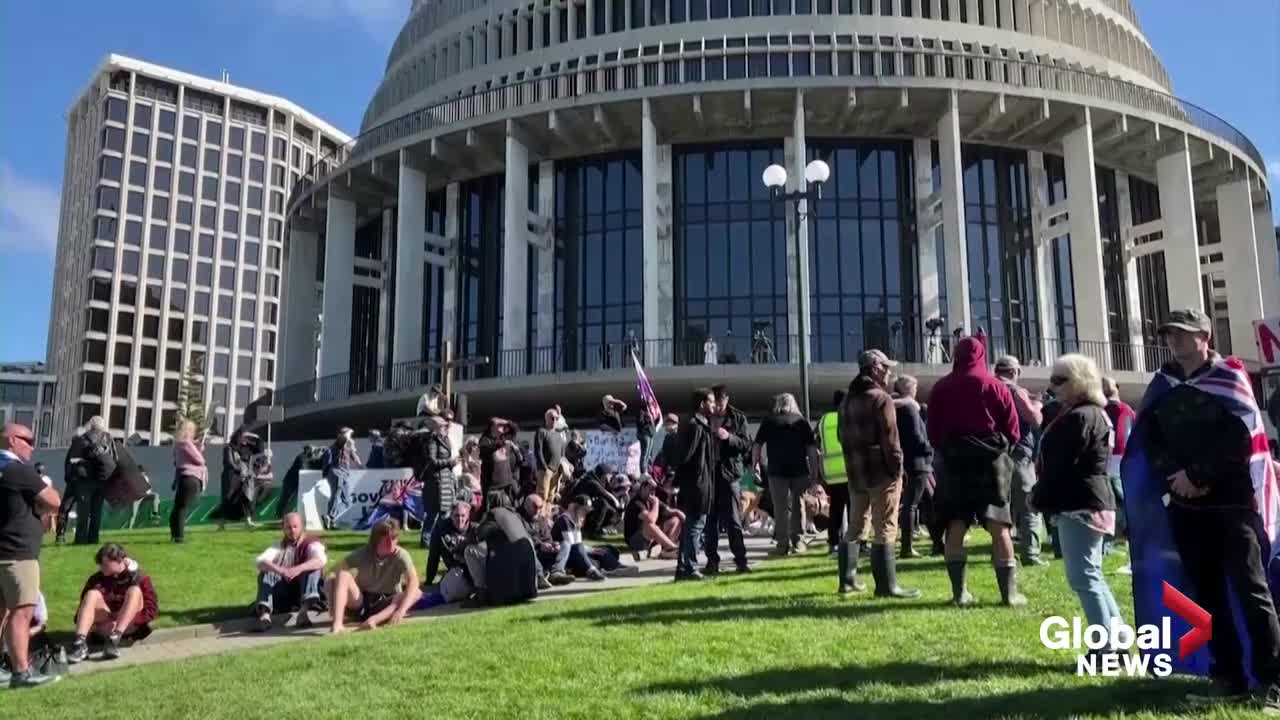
(1152, 551)
(647, 396)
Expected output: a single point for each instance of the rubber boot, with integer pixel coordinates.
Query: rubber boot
(1007, 579)
(886, 574)
(908, 535)
(847, 562)
(960, 596)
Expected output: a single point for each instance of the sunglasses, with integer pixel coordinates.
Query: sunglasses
(1057, 380)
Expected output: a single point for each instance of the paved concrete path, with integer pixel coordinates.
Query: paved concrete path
(230, 636)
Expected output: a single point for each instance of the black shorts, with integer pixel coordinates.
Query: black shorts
(638, 542)
(373, 603)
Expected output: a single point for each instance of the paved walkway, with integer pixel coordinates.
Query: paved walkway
(231, 636)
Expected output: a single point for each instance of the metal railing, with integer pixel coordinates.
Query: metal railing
(925, 60)
(767, 350)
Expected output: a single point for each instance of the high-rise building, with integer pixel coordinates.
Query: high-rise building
(26, 397)
(170, 244)
(552, 185)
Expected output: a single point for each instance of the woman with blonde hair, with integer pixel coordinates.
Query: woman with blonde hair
(1074, 484)
(788, 442)
(190, 477)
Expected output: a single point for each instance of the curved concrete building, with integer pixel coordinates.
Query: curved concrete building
(546, 186)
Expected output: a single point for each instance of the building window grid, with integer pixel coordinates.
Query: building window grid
(1113, 270)
(1063, 289)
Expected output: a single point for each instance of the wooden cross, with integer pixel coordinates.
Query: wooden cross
(450, 364)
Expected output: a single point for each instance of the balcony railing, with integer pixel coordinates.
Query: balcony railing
(768, 350)
(926, 60)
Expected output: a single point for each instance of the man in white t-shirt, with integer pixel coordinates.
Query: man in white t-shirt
(289, 574)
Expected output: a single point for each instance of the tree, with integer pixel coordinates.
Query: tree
(191, 400)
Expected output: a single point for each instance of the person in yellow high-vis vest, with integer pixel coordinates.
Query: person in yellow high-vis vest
(836, 479)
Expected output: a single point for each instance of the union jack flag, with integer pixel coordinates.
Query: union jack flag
(1152, 550)
(400, 499)
(647, 396)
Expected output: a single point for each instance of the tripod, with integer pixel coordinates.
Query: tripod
(761, 348)
(935, 352)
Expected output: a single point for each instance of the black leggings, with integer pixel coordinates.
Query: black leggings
(839, 497)
(188, 493)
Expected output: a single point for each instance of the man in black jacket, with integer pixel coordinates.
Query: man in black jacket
(100, 463)
(289, 487)
(76, 475)
(729, 426)
(695, 476)
(917, 463)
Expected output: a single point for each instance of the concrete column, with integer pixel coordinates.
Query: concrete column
(1006, 14)
(935, 8)
(339, 255)
(572, 28)
(1178, 210)
(591, 17)
(297, 344)
(1240, 255)
(411, 224)
(386, 315)
(953, 228)
(449, 308)
(1036, 16)
(1131, 290)
(799, 159)
(989, 13)
(926, 235)
(544, 333)
(1046, 298)
(515, 247)
(971, 10)
(1268, 264)
(1086, 233)
(659, 286)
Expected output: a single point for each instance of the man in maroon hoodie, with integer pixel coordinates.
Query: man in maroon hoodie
(117, 602)
(972, 424)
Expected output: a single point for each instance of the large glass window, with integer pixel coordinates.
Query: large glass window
(1113, 273)
(863, 274)
(1002, 289)
(432, 284)
(1063, 289)
(1153, 288)
(730, 255)
(480, 267)
(599, 259)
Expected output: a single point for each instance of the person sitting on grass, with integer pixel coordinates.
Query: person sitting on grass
(573, 555)
(118, 603)
(532, 512)
(289, 574)
(649, 523)
(448, 541)
(377, 583)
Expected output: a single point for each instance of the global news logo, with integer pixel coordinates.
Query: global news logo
(1104, 651)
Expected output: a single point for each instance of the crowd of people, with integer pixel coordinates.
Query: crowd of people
(503, 519)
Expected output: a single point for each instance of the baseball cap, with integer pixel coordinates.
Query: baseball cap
(1188, 319)
(1008, 362)
(867, 358)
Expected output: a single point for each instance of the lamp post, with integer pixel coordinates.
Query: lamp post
(775, 179)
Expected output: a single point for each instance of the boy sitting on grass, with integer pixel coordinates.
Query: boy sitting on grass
(376, 583)
(118, 602)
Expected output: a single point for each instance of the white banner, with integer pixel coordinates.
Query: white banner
(618, 449)
(367, 488)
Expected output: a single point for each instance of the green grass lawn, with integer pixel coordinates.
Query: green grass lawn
(776, 644)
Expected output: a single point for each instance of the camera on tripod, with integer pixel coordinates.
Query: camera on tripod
(933, 325)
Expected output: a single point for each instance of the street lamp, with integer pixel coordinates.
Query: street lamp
(775, 179)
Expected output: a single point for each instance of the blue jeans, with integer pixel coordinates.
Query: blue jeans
(1082, 560)
(573, 558)
(339, 495)
(690, 541)
(275, 592)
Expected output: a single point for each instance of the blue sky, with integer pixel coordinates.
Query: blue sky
(328, 55)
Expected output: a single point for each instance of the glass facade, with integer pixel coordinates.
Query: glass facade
(480, 223)
(1062, 291)
(863, 270)
(1113, 272)
(599, 259)
(730, 255)
(433, 284)
(1153, 288)
(1002, 289)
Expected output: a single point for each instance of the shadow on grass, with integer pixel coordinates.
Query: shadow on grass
(715, 609)
(1121, 697)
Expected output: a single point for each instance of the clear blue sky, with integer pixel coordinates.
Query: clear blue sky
(328, 55)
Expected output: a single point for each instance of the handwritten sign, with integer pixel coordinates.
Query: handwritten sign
(618, 449)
